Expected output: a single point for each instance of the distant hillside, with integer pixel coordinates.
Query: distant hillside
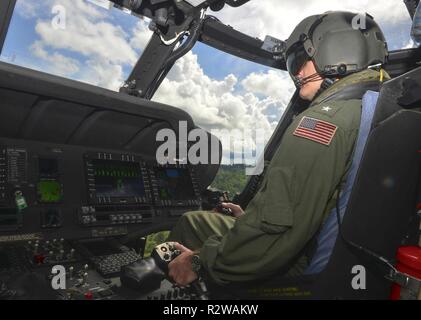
(231, 178)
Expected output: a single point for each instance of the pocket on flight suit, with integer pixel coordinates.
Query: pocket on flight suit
(277, 201)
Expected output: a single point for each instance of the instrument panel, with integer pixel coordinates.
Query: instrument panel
(75, 192)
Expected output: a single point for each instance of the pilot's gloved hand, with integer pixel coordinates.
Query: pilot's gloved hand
(180, 269)
(235, 210)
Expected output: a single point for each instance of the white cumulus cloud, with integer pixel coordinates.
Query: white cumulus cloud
(278, 18)
(101, 46)
(227, 104)
(56, 62)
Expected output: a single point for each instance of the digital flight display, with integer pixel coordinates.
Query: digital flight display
(174, 184)
(49, 191)
(48, 167)
(118, 179)
(49, 187)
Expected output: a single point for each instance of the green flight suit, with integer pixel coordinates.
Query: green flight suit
(297, 193)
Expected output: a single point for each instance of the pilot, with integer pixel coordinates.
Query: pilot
(327, 55)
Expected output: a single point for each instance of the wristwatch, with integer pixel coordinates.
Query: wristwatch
(196, 265)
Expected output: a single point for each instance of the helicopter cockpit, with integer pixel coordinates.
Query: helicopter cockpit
(85, 182)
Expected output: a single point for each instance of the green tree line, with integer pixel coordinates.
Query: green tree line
(231, 178)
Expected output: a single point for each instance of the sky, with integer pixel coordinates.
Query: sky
(99, 46)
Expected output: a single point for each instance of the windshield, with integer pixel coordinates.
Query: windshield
(279, 18)
(86, 41)
(78, 39)
(234, 99)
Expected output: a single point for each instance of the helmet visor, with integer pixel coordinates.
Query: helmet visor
(296, 58)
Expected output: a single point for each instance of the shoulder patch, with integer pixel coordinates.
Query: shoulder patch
(316, 130)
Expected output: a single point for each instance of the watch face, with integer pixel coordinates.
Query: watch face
(196, 265)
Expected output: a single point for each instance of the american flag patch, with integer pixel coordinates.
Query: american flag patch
(316, 130)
